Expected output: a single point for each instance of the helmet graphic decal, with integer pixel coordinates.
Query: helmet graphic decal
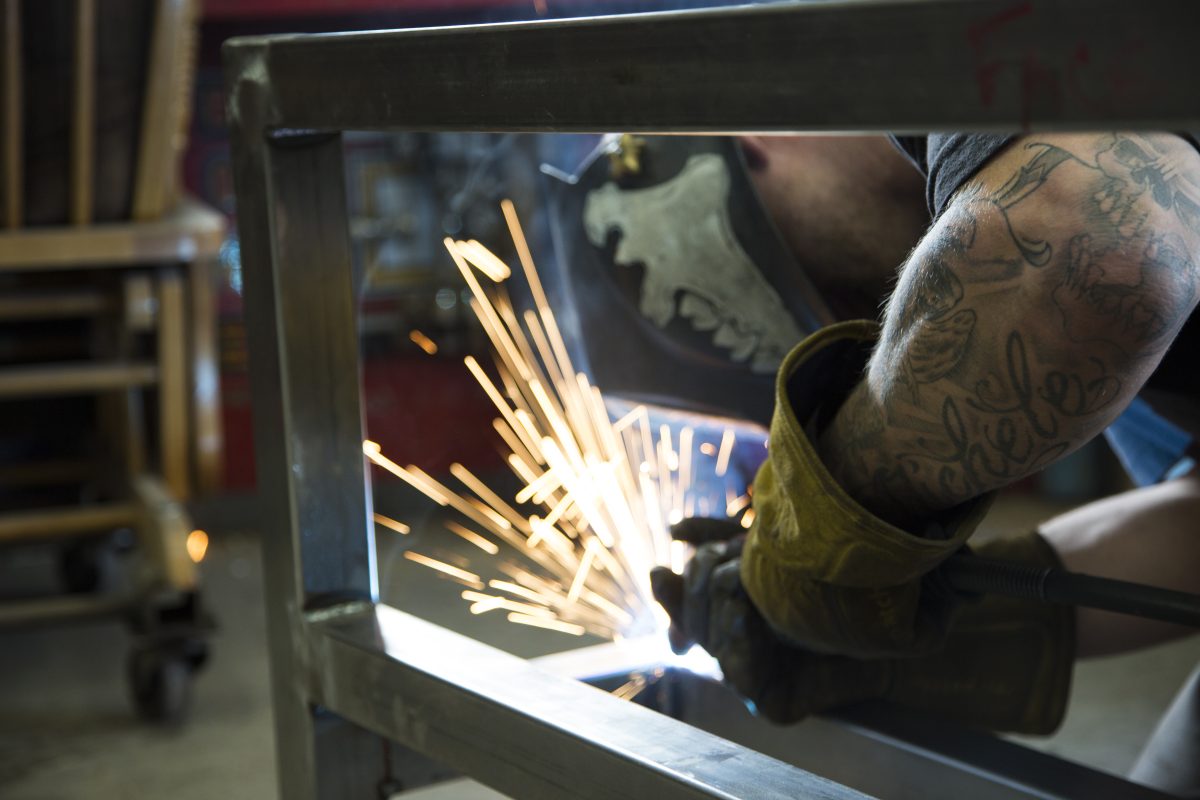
(681, 232)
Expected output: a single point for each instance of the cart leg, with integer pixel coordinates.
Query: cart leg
(314, 500)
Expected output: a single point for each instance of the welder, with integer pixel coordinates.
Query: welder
(1037, 291)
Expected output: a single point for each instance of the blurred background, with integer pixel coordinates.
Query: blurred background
(132, 653)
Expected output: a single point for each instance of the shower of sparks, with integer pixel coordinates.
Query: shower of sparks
(604, 492)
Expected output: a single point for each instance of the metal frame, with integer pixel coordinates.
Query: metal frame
(345, 668)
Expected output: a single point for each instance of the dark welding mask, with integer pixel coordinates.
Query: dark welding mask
(684, 292)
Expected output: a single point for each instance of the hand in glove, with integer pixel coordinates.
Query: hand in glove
(709, 608)
(1006, 664)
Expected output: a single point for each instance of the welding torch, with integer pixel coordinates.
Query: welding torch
(975, 575)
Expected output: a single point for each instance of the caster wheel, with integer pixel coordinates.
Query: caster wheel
(89, 567)
(161, 683)
(195, 654)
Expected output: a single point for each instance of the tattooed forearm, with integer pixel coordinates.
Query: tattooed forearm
(1031, 313)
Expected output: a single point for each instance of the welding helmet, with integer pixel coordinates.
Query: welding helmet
(683, 291)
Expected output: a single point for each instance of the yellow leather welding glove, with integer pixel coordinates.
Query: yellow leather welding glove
(826, 574)
(1005, 665)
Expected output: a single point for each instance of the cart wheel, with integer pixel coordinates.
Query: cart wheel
(88, 567)
(195, 653)
(161, 683)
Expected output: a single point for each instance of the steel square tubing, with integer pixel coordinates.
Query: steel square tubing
(890, 65)
(866, 65)
(524, 731)
(871, 747)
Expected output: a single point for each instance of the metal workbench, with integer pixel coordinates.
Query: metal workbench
(350, 673)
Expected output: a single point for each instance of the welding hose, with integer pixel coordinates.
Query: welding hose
(975, 575)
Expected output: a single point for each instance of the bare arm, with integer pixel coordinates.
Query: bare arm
(1145, 535)
(1027, 318)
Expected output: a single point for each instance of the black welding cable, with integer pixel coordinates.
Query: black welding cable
(972, 574)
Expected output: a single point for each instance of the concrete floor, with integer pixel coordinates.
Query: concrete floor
(66, 729)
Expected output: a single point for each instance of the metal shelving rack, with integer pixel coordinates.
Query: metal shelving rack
(348, 672)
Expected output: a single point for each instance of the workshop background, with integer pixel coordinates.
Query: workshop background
(132, 644)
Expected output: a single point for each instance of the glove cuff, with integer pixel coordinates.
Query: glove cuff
(807, 523)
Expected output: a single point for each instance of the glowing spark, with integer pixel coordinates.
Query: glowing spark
(627, 420)
(518, 237)
(679, 555)
(422, 341)
(550, 624)
(585, 564)
(487, 314)
(607, 606)
(484, 260)
(748, 518)
(726, 450)
(442, 566)
(521, 467)
(631, 688)
(685, 467)
(669, 456)
(388, 522)
(371, 450)
(482, 603)
(548, 481)
(708, 448)
(497, 519)
(515, 589)
(474, 538)
(510, 439)
(494, 395)
(492, 521)
(737, 505)
(197, 545)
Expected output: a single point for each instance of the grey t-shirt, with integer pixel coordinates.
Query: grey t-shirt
(948, 160)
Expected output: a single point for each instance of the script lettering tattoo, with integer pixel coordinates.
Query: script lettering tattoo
(1026, 318)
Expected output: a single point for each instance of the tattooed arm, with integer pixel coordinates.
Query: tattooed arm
(1027, 318)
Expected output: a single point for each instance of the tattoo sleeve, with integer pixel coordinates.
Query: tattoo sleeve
(1024, 322)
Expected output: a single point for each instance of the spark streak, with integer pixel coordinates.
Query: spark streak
(726, 450)
(422, 341)
(388, 522)
(474, 538)
(441, 566)
(552, 624)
